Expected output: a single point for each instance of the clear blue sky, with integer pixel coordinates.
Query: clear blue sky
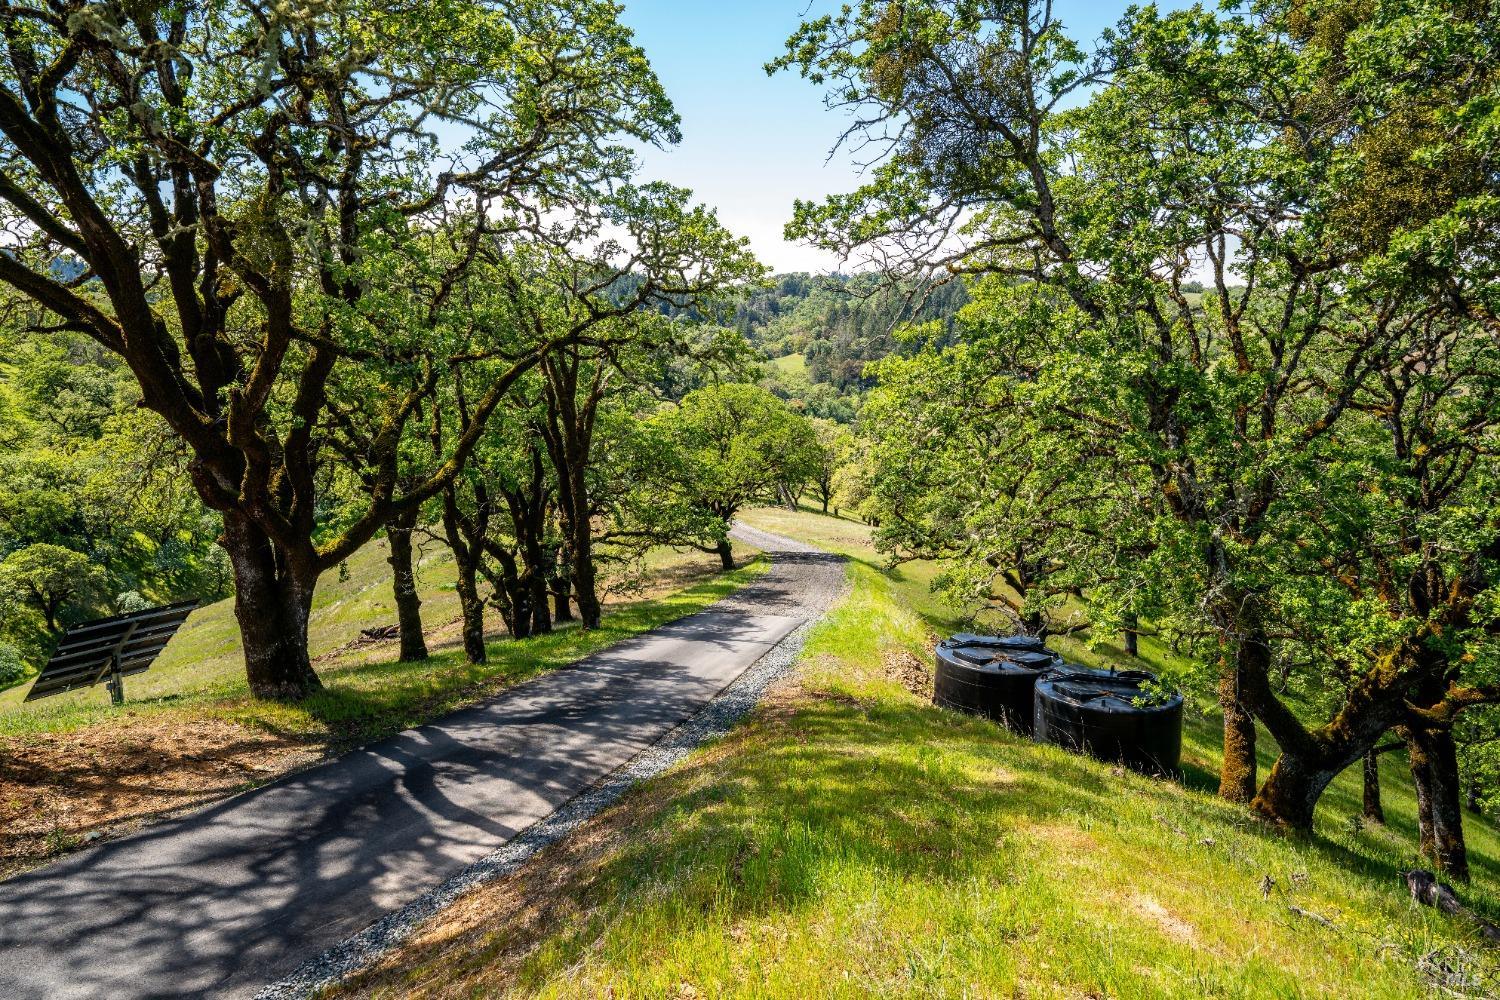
(753, 144)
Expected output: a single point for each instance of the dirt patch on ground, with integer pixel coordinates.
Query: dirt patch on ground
(1169, 923)
(910, 672)
(60, 792)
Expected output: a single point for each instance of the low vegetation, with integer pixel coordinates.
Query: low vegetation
(852, 840)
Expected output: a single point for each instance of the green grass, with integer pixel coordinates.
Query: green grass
(790, 364)
(860, 842)
(367, 694)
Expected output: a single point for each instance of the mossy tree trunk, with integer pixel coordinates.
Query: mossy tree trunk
(273, 592)
(1434, 771)
(404, 585)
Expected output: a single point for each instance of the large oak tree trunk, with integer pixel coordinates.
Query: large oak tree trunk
(1434, 770)
(273, 595)
(1296, 782)
(404, 584)
(1310, 760)
(726, 554)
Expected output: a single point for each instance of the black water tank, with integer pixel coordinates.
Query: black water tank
(992, 676)
(1007, 643)
(1113, 716)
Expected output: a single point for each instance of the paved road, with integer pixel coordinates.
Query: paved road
(237, 895)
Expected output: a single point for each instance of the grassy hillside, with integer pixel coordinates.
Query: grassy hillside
(203, 664)
(74, 768)
(852, 841)
(790, 364)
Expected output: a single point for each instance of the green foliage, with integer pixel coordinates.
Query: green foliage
(839, 324)
(737, 443)
(88, 486)
(1230, 371)
(56, 584)
(13, 665)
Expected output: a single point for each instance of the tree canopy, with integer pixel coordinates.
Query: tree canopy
(1204, 339)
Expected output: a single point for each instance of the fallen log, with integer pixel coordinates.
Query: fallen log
(1427, 890)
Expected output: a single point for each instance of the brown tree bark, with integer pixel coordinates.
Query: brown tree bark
(512, 592)
(472, 609)
(562, 591)
(568, 433)
(1237, 773)
(528, 507)
(463, 536)
(404, 585)
(726, 553)
(1434, 769)
(273, 595)
(1373, 811)
(1310, 759)
(1291, 791)
(585, 577)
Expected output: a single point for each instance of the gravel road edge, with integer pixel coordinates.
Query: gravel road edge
(710, 722)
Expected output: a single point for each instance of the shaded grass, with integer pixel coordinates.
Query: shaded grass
(853, 841)
(367, 693)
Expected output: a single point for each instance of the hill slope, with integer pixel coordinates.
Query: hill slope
(73, 768)
(852, 841)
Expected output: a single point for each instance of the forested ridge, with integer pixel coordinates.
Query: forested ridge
(840, 323)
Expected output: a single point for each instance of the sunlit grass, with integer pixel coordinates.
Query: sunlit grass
(367, 693)
(859, 842)
(790, 364)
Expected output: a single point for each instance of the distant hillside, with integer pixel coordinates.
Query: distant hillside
(839, 323)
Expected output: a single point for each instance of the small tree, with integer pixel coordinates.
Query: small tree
(738, 444)
(835, 445)
(59, 585)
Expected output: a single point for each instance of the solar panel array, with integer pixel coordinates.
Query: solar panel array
(108, 649)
